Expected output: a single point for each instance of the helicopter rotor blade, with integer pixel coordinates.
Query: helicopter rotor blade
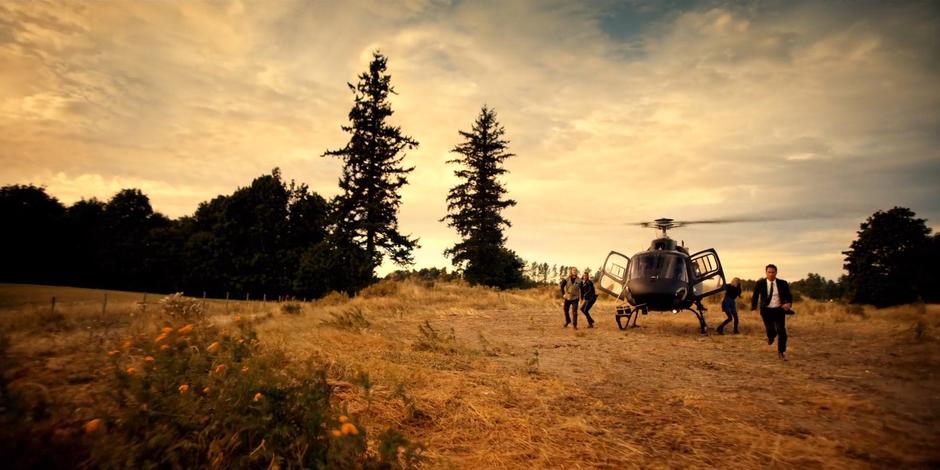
(747, 219)
(671, 224)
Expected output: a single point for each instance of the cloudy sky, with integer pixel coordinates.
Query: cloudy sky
(618, 111)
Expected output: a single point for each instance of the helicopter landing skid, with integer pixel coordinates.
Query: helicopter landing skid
(700, 314)
(628, 312)
(631, 313)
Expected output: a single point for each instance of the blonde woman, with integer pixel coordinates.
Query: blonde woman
(730, 306)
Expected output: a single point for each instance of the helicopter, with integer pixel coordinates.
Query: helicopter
(664, 278)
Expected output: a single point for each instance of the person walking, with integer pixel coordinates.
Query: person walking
(588, 297)
(729, 305)
(571, 292)
(775, 301)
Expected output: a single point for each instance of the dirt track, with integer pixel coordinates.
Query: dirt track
(665, 387)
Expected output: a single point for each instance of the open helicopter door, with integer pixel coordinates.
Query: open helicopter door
(708, 277)
(613, 276)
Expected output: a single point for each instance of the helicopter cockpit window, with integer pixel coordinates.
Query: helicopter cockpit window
(659, 266)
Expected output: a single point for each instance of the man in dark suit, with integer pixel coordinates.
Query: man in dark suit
(775, 301)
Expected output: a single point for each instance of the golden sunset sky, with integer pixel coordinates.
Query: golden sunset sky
(618, 111)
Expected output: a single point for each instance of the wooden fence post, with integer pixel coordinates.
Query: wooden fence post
(104, 304)
(53, 305)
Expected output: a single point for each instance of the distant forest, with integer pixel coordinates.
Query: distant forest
(271, 238)
(266, 238)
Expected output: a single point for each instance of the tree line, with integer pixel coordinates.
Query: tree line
(543, 273)
(280, 238)
(273, 236)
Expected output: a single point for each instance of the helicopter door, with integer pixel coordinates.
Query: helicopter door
(708, 277)
(613, 276)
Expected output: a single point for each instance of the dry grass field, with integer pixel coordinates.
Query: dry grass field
(485, 379)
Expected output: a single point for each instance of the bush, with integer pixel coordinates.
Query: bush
(292, 308)
(856, 310)
(351, 320)
(383, 288)
(191, 395)
(333, 298)
(177, 307)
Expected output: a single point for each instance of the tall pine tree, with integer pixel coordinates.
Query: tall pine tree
(366, 212)
(474, 207)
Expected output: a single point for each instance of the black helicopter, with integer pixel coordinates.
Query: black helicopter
(664, 278)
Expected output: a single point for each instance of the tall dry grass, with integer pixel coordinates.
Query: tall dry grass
(174, 386)
(489, 379)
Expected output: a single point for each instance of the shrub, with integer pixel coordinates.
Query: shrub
(856, 310)
(191, 395)
(177, 307)
(333, 298)
(383, 288)
(292, 308)
(350, 319)
(53, 321)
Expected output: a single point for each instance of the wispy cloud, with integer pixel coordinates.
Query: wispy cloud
(617, 112)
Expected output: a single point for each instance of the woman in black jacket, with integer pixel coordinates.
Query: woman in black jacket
(730, 306)
(588, 297)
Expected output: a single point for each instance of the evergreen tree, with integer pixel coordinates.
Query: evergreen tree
(474, 207)
(885, 264)
(366, 212)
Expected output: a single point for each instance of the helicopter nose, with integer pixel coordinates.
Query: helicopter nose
(660, 295)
